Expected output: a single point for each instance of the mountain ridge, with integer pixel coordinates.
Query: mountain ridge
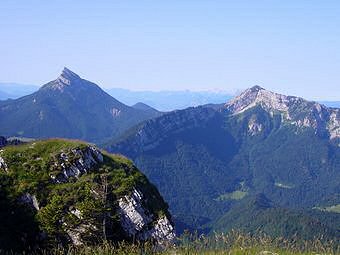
(205, 159)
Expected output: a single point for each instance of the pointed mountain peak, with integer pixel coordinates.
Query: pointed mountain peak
(65, 79)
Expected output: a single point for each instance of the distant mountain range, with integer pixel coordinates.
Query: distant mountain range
(207, 160)
(335, 104)
(160, 100)
(169, 100)
(15, 90)
(69, 107)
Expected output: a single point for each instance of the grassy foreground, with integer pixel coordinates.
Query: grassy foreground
(231, 243)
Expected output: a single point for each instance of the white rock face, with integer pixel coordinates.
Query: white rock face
(254, 127)
(135, 220)
(133, 215)
(87, 159)
(115, 112)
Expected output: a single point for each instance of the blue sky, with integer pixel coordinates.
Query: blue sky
(292, 47)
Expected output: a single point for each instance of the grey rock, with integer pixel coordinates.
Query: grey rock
(137, 220)
(133, 215)
(87, 159)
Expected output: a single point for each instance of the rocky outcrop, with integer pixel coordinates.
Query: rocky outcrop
(133, 216)
(88, 189)
(254, 127)
(76, 163)
(137, 220)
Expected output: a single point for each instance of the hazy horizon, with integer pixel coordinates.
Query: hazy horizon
(288, 47)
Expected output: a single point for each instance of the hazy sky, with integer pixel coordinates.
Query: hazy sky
(291, 47)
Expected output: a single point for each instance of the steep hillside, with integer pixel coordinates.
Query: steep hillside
(205, 160)
(64, 192)
(68, 107)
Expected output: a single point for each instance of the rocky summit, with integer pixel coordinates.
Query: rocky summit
(294, 110)
(61, 192)
(65, 79)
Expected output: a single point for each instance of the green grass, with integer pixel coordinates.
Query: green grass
(235, 195)
(233, 243)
